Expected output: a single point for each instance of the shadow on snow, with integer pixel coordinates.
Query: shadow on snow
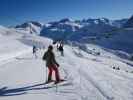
(24, 90)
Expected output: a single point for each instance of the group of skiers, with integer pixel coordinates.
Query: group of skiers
(51, 62)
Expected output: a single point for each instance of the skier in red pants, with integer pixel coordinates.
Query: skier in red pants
(52, 65)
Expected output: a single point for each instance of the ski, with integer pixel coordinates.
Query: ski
(61, 83)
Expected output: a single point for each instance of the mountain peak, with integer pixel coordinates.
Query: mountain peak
(30, 27)
(36, 23)
(129, 23)
(28, 24)
(65, 20)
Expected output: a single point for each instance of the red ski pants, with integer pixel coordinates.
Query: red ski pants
(55, 69)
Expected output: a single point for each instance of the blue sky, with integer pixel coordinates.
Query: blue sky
(18, 11)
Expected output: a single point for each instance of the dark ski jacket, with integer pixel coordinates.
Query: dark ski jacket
(34, 49)
(60, 48)
(49, 57)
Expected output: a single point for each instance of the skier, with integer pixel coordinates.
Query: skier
(57, 46)
(34, 51)
(52, 65)
(61, 48)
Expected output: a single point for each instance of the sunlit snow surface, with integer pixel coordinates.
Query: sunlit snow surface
(90, 76)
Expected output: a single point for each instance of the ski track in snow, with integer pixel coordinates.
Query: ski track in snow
(93, 83)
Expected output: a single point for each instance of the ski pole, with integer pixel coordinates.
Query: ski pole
(66, 74)
(46, 75)
(56, 88)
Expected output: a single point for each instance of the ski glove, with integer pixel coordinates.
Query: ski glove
(57, 65)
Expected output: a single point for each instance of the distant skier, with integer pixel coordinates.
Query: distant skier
(52, 65)
(54, 42)
(61, 48)
(57, 46)
(34, 51)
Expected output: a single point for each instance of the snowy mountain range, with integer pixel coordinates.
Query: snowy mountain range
(69, 29)
(66, 26)
(112, 34)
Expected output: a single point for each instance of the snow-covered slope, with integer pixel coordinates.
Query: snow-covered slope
(102, 76)
(11, 48)
(8, 32)
(15, 43)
